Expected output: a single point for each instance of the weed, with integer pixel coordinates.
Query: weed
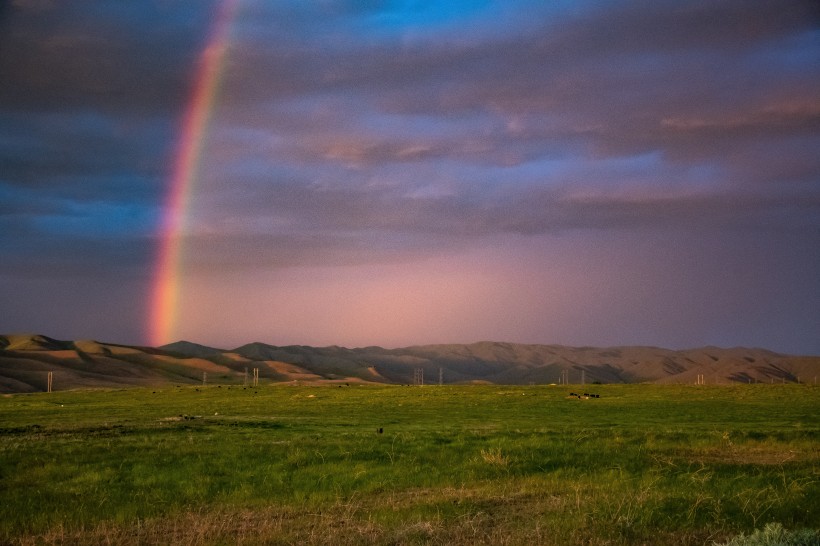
(495, 457)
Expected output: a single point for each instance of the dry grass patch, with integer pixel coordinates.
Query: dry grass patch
(341, 525)
(750, 453)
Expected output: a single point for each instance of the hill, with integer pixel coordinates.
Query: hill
(25, 361)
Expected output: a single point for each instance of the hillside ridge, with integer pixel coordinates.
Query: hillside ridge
(26, 359)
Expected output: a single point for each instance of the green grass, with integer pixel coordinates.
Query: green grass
(470, 465)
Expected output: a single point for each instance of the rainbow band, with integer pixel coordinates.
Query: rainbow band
(165, 297)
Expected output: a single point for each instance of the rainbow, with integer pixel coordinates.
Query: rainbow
(166, 288)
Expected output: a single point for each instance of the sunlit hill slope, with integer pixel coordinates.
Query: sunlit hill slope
(26, 360)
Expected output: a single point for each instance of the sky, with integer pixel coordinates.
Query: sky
(394, 173)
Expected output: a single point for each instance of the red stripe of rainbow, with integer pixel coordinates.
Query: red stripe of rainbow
(165, 296)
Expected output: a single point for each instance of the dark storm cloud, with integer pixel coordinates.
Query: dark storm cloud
(83, 153)
(93, 89)
(294, 223)
(564, 54)
(695, 81)
(90, 98)
(131, 58)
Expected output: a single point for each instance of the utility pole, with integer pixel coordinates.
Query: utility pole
(564, 377)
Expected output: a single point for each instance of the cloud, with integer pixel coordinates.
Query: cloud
(132, 58)
(619, 81)
(292, 223)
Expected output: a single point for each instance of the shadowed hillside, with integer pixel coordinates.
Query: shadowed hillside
(25, 361)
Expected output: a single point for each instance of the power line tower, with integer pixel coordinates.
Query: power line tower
(418, 377)
(564, 380)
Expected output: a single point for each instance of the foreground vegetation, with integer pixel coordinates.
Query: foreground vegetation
(408, 465)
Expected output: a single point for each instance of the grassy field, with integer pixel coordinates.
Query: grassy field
(642, 464)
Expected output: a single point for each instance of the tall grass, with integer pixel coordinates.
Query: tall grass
(484, 464)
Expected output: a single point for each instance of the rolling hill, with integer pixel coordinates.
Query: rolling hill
(25, 361)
